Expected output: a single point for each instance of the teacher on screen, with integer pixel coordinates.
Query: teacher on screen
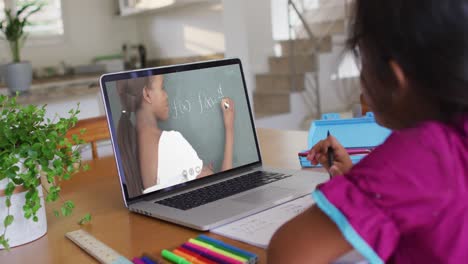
(152, 158)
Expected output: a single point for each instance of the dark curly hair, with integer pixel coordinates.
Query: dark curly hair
(428, 39)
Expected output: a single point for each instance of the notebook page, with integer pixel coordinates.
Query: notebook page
(258, 229)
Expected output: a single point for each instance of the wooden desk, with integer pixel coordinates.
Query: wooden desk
(97, 191)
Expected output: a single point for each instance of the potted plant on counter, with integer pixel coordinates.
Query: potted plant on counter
(32, 145)
(18, 74)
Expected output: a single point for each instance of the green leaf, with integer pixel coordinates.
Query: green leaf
(53, 194)
(35, 219)
(4, 242)
(32, 153)
(67, 208)
(8, 220)
(17, 181)
(66, 176)
(10, 188)
(69, 204)
(85, 219)
(86, 167)
(27, 213)
(65, 211)
(57, 163)
(29, 138)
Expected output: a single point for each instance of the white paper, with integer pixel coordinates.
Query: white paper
(258, 229)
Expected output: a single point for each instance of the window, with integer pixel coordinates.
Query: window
(47, 22)
(2, 7)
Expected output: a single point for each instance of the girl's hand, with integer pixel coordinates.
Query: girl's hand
(227, 106)
(318, 154)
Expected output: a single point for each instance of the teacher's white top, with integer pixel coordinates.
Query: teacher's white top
(178, 162)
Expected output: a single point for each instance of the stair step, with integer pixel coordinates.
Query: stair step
(328, 13)
(348, 4)
(329, 3)
(305, 46)
(278, 83)
(271, 104)
(302, 64)
(329, 28)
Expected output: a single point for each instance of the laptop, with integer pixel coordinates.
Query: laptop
(186, 148)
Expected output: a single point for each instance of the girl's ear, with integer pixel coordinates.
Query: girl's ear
(147, 95)
(400, 77)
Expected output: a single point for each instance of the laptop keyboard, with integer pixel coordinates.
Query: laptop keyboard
(221, 190)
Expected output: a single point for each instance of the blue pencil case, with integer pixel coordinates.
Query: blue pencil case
(361, 132)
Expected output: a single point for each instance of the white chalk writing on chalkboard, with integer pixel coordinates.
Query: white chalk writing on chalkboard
(204, 101)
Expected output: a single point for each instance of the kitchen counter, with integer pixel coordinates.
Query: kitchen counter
(58, 88)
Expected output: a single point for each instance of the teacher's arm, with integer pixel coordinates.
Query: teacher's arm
(148, 156)
(206, 171)
(227, 106)
(310, 237)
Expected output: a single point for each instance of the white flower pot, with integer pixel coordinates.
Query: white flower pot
(18, 76)
(22, 230)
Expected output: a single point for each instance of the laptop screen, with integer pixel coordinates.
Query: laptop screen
(178, 124)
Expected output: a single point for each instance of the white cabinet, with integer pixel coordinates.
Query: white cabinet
(90, 106)
(131, 7)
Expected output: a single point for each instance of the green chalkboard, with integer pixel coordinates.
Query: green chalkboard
(195, 111)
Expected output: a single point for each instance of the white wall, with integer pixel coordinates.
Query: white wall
(280, 26)
(248, 34)
(259, 29)
(91, 28)
(195, 29)
(339, 79)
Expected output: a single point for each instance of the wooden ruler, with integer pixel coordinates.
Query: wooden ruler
(96, 248)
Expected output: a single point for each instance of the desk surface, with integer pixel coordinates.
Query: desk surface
(97, 191)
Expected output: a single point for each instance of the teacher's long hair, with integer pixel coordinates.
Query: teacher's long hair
(131, 95)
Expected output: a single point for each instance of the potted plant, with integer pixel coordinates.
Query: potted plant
(18, 74)
(31, 145)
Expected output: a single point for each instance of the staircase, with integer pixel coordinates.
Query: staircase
(273, 89)
(272, 94)
(295, 72)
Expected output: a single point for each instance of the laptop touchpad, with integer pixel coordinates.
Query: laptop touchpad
(264, 195)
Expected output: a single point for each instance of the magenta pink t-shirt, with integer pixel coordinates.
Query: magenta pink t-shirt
(406, 202)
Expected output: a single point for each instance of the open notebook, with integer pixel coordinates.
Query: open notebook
(258, 229)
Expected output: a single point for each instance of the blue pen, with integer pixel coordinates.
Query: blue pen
(227, 246)
(330, 156)
(147, 260)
